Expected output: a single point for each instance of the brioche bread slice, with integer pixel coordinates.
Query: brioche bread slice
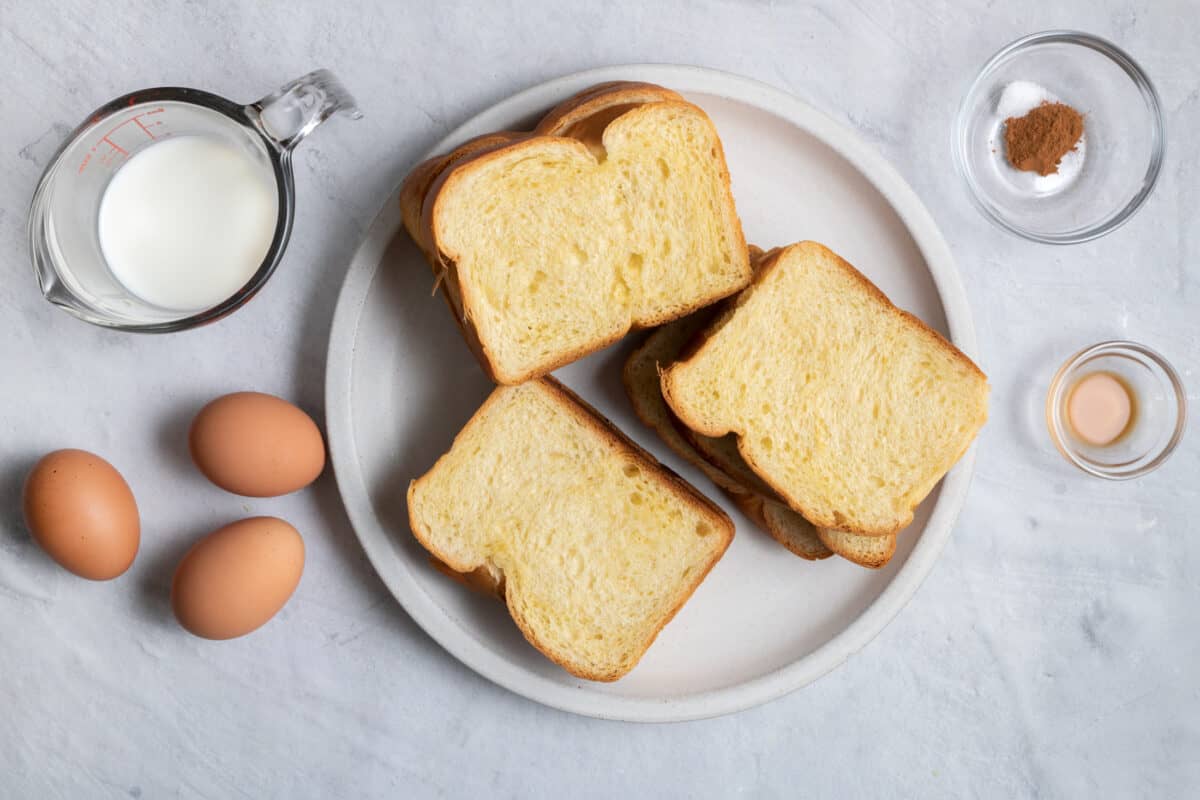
(642, 384)
(849, 408)
(595, 544)
(555, 249)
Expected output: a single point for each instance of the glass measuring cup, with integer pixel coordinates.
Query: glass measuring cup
(63, 231)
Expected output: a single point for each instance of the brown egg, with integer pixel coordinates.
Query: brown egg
(256, 445)
(238, 577)
(82, 512)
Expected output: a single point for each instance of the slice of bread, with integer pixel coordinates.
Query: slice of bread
(595, 544)
(849, 408)
(642, 384)
(556, 246)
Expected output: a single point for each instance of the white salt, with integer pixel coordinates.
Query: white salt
(1021, 97)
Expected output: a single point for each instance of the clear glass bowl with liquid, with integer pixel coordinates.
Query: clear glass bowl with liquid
(64, 234)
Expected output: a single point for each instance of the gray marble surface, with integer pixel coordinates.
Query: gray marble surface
(1054, 651)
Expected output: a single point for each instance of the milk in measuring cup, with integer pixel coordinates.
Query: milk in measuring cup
(187, 221)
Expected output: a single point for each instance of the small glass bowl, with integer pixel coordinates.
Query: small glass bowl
(1123, 137)
(1159, 416)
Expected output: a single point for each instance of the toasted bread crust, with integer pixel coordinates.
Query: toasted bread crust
(481, 579)
(813, 550)
(590, 418)
(597, 99)
(582, 118)
(462, 299)
(769, 263)
(872, 552)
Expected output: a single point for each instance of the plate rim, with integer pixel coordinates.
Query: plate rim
(395, 574)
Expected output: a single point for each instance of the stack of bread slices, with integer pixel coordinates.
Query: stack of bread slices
(824, 412)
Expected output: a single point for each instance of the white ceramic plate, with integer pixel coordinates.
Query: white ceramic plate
(401, 383)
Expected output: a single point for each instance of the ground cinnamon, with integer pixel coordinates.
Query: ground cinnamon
(1037, 141)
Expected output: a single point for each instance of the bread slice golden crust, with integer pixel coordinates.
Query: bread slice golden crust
(485, 580)
(786, 526)
(856, 409)
(872, 552)
(590, 580)
(518, 336)
(723, 453)
(794, 532)
(599, 99)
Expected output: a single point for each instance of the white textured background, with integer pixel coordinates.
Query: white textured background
(1054, 651)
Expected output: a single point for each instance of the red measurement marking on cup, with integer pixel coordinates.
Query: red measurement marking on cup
(107, 150)
(142, 125)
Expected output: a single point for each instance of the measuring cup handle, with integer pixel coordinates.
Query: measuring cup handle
(293, 111)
